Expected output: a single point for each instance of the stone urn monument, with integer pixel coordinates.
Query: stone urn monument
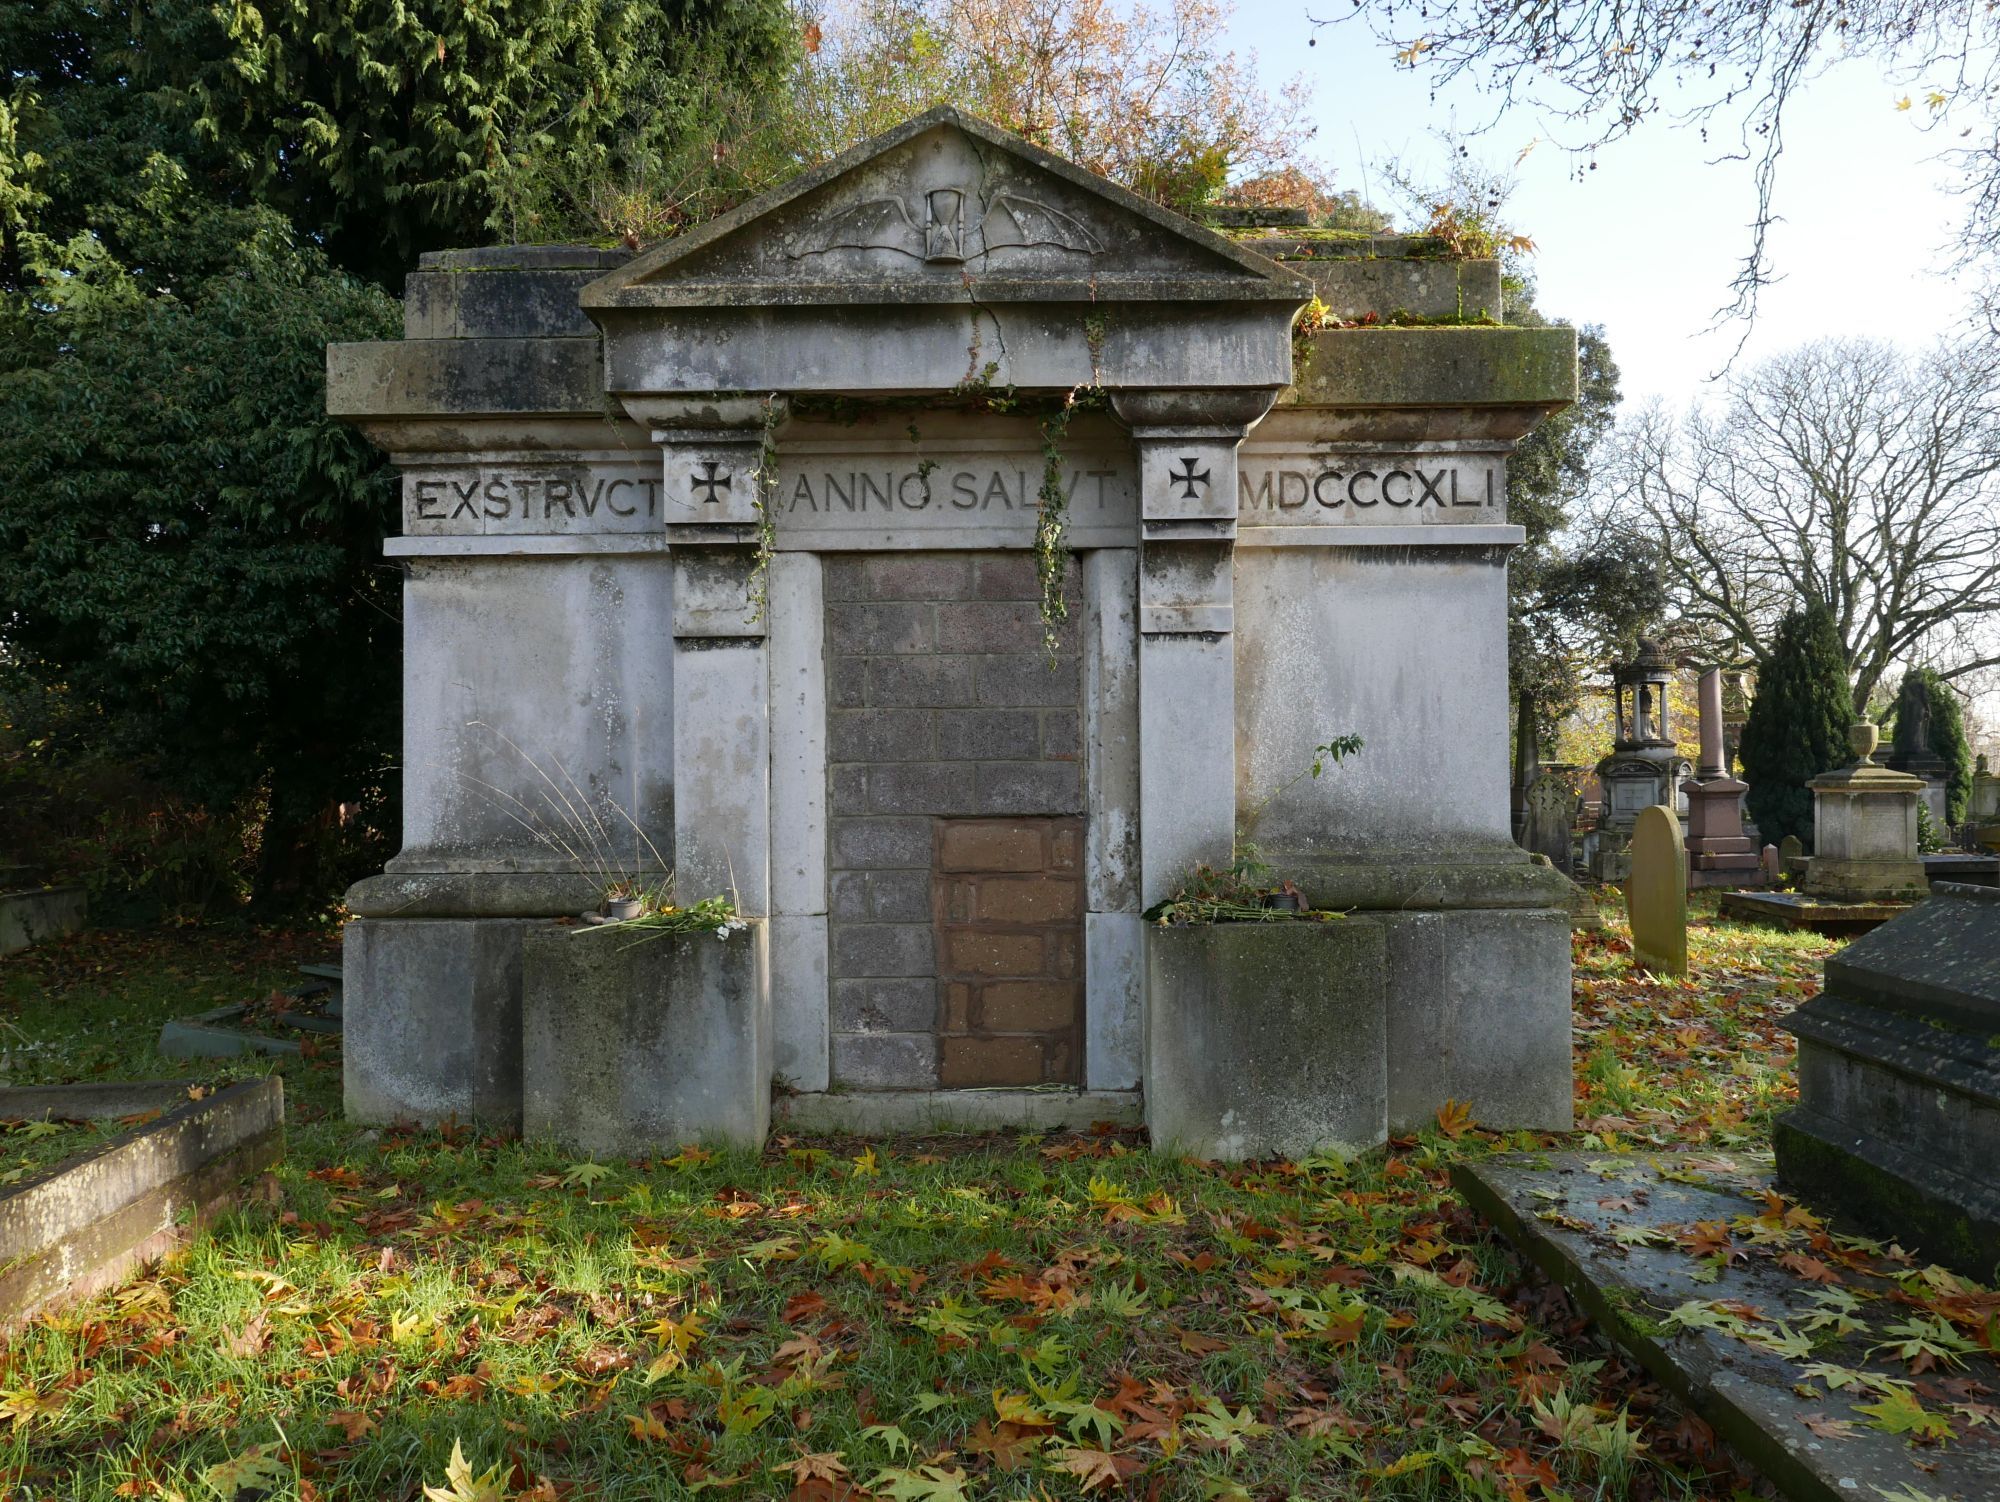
(1865, 829)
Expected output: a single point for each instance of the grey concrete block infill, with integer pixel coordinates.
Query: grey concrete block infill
(891, 1005)
(1266, 1040)
(433, 1020)
(884, 843)
(987, 734)
(80, 1227)
(886, 1061)
(883, 949)
(635, 1043)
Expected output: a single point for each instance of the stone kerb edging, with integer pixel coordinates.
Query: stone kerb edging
(80, 1227)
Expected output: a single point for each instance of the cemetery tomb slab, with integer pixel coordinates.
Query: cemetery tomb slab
(81, 1226)
(1797, 911)
(1605, 1227)
(1898, 1121)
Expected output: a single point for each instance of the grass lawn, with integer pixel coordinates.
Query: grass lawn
(930, 1320)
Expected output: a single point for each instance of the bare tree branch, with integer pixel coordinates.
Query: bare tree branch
(1731, 67)
(1846, 472)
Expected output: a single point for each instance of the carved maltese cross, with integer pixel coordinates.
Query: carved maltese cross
(1190, 477)
(712, 478)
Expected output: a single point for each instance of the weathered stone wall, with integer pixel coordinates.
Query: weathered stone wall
(951, 965)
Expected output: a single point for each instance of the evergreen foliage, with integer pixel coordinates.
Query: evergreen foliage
(1947, 737)
(195, 200)
(1798, 722)
(1569, 607)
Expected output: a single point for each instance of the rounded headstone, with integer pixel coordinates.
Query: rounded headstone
(1656, 893)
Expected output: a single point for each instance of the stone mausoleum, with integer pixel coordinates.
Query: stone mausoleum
(723, 557)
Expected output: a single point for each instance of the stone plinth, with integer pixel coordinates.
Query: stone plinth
(1982, 813)
(1898, 1121)
(635, 1042)
(432, 1020)
(1865, 830)
(1267, 1039)
(1719, 853)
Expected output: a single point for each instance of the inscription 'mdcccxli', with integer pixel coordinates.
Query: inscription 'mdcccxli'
(500, 496)
(927, 488)
(1412, 487)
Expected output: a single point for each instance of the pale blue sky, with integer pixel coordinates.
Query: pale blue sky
(1647, 243)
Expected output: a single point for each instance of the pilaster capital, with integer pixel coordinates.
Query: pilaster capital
(714, 456)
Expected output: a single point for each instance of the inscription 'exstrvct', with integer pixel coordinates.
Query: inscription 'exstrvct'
(521, 496)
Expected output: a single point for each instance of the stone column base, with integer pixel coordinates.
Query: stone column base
(431, 1020)
(636, 1043)
(1267, 1040)
(1840, 880)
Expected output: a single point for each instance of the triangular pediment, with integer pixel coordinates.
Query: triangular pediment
(945, 208)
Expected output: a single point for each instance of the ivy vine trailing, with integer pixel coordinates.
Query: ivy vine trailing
(764, 481)
(1052, 514)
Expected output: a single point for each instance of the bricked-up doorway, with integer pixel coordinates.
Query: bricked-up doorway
(1007, 898)
(955, 801)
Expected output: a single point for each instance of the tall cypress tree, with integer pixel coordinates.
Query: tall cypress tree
(1797, 727)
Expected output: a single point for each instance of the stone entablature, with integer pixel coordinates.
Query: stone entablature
(873, 351)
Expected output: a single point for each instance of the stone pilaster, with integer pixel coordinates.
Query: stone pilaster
(1187, 444)
(713, 462)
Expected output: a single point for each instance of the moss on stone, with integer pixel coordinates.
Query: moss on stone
(1440, 366)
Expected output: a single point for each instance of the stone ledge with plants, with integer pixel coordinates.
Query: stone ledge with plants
(1249, 889)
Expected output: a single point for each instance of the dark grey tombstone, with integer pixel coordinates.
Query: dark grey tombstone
(1551, 811)
(1898, 1121)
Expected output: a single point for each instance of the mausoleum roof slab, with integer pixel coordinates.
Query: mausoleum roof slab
(946, 254)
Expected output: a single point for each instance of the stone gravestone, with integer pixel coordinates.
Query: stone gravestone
(790, 646)
(1772, 864)
(1791, 854)
(1656, 893)
(1551, 813)
(1898, 1121)
(1911, 750)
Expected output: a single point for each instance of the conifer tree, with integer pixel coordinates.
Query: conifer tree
(1797, 727)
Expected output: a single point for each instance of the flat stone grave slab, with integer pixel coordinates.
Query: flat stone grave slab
(1796, 910)
(1835, 1365)
(227, 1032)
(81, 1225)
